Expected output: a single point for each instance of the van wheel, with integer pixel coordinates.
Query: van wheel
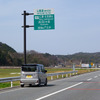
(45, 82)
(39, 84)
(22, 85)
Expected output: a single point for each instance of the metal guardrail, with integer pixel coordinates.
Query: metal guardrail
(61, 73)
(11, 79)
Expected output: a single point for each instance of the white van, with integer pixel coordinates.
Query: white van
(33, 74)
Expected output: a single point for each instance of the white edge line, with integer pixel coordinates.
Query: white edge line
(11, 90)
(58, 91)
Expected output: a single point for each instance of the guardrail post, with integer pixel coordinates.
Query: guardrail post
(66, 75)
(11, 84)
(57, 76)
(51, 77)
(70, 74)
(62, 75)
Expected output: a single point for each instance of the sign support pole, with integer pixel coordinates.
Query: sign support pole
(24, 37)
(45, 20)
(25, 26)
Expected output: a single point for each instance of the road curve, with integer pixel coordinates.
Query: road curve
(80, 87)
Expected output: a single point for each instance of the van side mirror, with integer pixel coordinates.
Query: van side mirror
(45, 71)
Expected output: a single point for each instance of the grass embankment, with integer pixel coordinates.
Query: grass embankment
(9, 73)
(16, 72)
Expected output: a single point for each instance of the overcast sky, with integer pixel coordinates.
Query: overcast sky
(77, 26)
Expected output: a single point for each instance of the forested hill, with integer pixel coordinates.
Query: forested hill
(6, 48)
(9, 57)
(82, 57)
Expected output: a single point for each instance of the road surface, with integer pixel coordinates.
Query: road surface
(80, 87)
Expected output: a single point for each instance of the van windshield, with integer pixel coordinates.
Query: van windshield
(29, 68)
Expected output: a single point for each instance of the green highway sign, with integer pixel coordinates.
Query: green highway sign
(44, 19)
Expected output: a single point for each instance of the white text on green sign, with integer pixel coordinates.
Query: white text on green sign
(44, 19)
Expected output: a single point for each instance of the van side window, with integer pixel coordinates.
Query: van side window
(39, 68)
(42, 68)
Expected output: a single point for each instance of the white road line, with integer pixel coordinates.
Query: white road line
(89, 79)
(59, 91)
(95, 76)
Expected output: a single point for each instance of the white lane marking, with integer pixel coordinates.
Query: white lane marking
(11, 90)
(95, 76)
(89, 79)
(59, 91)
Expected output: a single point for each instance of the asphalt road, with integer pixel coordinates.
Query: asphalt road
(80, 87)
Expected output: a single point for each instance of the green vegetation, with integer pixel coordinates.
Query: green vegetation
(83, 57)
(57, 70)
(7, 73)
(15, 72)
(4, 85)
(82, 71)
(5, 47)
(9, 57)
(8, 84)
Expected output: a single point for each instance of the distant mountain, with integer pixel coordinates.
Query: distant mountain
(9, 57)
(83, 57)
